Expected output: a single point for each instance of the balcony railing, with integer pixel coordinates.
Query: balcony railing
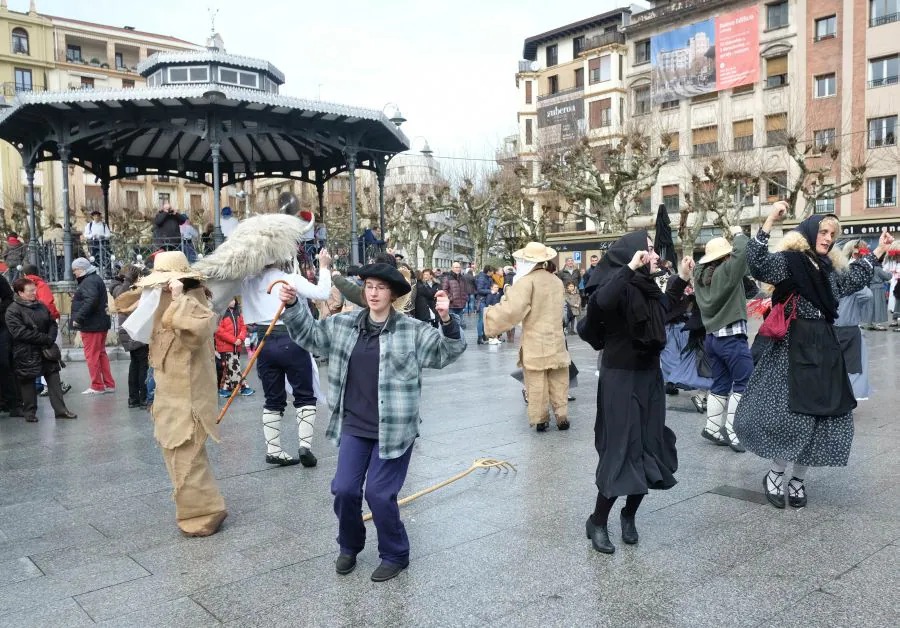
(884, 201)
(884, 19)
(10, 90)
(606, 39)
(883, 81)
(561, 92)
(825, 36)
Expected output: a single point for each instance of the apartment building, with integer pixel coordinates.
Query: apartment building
(45, 52)
(733, 79)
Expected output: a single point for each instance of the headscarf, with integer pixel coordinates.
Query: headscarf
(805, 279)
(523, 268)
(644, 311)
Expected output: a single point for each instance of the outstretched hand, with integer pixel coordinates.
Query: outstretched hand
(884, 242)
(442, 305)
(324, 259)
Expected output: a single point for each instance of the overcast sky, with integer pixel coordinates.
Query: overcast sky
(449, 65)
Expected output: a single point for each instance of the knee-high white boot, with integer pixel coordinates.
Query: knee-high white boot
(715, 419)
(733, 442)
(306, 422)
(272, 432)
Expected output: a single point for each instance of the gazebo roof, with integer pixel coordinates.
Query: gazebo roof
(151, 63)
(171, 129)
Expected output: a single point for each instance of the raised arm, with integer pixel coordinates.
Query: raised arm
(312, 335)
(765, 266)
(351, 291)
(322, 289)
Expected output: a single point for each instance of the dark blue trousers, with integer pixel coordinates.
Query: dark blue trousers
(281, 357)
(358, 462)
(731, 363)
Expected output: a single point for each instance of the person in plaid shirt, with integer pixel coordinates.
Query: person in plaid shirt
(375, 357)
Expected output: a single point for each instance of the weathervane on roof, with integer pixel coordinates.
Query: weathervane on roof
(214, 41)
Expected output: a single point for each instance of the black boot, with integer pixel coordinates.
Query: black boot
(671, 389)
(629, 530)
(307, 459)
(599, 537)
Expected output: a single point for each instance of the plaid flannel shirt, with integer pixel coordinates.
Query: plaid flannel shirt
(406, 347)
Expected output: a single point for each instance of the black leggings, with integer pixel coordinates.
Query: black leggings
(605, 504)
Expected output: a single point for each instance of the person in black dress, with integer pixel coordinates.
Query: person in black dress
(637, 451)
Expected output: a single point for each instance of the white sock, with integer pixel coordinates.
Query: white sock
(733, 402)
(306, 421)
(800, 471)
(272, 432)
(715, 412)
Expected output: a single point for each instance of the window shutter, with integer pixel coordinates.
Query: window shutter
(528, 95)
(777, 122)
(595, 114)
(743, 128)
(670, 190)
(673, 144)
(594, 64)
(776, 66)
(706, 135)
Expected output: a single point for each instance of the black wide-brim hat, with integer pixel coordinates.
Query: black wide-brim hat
(388, 274)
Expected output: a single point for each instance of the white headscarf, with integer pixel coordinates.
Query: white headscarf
(523, 268)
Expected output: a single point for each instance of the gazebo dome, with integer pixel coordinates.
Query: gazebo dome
(212, 65)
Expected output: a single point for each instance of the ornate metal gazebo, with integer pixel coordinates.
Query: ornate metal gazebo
(206, 116)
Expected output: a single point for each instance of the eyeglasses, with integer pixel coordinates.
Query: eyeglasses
(376, 288)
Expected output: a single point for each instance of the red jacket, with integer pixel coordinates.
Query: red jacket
(231, 333)
(44, 295)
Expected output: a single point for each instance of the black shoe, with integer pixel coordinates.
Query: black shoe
(345, 563)
(307, 459)
(281, 462)
(599, 537)
(715, 437)
(776, 497)
(134, 404)
(66, 415)
(562, 426)
(571, 398)
(671, 389)
(386, 571)
(629, 530)
(796, 493)
(699, 403)
(542, 427)
(480, 341)
(17, 413)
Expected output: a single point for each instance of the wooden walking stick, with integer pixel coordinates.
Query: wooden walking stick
(259, 347)
(480, 463)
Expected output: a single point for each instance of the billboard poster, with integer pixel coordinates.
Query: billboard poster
(561, 120)
(683, 62)
(737, 48)
(718, 53)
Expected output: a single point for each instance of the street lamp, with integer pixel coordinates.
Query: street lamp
(392, 111)
(425, 149)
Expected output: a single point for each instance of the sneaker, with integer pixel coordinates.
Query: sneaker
(91, 391)
(225, 394)
(247, 391)
(110, 390)
(493, 341)
(44, 392)
(66, 387)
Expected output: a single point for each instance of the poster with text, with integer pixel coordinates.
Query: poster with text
(737, 48)
(683, 62)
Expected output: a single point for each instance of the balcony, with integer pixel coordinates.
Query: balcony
(562, 92)
(10, 90)
(884, 19)
(605, 39)
(882, 82)
(525, 65)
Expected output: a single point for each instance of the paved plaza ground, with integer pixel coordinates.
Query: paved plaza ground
(87, 530)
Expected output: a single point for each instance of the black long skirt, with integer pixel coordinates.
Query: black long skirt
(637, 451)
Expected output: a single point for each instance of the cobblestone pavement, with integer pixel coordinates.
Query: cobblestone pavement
(87, 531)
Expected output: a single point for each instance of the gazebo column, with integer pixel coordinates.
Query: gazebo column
(67, 226)
(32, 220)
(320, 192)
(381, 200)
(354, 243)
(104, 185)
(218, 237)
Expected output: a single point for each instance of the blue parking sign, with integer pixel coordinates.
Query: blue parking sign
(576, 257)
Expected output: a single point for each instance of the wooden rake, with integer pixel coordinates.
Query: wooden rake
(480, 463)
(237, 388)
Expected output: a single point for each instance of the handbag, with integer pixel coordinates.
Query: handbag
(777, 323)
(51, 353)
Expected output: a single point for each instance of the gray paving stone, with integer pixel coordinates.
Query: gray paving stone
(182, 612)
(18, 570)
(64, 612)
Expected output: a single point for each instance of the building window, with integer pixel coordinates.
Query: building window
(163, 198)
(743, 195)
(621, 111)
(642, 51)
(237, 77)
(826, 28)
(577, 46)
(824, 205)
(528, 132)
(600, 69)
(883, 71)
(23, 80)
(621, 67)
(882, 132)
(743, 135)
(73, 54)
(130, 173)
(776, 15)
(198, 74)
(579, 77)
(127, 84)
(743, 89)
(131, 199)
(882, 192)
(120, 61)
(669, 104)
(826, 85)
(162, 178)
(601, 113)
(645, 203)
(87, 82)
(20, 41)
(552, 84)
(776, 129)
(883, 12)
(776, 187)
(552, 56)
(196, 202)
(528, 93)
(706, 141)
(823, 138)
(641, 100)
(671, 199)
(674, 148)
(776, 71)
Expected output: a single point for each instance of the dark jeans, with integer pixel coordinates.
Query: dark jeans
(137, 375)
(731, 363)
(29, 394)
(358, 462)
(281, 357)
(9, 387)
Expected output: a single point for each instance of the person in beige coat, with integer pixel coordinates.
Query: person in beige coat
(536, 301)
(185, 406)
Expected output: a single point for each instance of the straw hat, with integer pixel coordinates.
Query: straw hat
(717, 248)
(535, 252)
(168, 265)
